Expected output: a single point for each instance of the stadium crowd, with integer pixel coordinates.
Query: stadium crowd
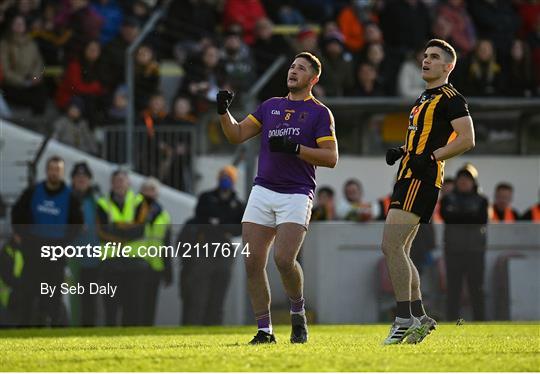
(66, 58)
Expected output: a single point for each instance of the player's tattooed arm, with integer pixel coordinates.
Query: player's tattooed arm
(326, 155)
(463, 142)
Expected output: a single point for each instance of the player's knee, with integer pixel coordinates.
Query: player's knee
(284, 263)
(254, 268)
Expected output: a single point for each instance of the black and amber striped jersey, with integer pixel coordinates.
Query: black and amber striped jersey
(429, 129)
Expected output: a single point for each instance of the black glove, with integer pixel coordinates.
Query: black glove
(394, 154)
(224, 99)
(283, 144)
(420, 163)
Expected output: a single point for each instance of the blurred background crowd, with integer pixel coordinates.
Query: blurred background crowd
(63, 61)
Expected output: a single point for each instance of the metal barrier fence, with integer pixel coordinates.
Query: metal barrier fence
(166, 153)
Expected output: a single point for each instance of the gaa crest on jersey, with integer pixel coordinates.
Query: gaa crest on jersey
(414, 111)
(303, 116)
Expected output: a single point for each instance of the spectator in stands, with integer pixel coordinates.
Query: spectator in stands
(325, 208)
(375, 54)
(518, 74)
(114, 54)
(353, 208)
(112, 15)
(533, 213)
(204, 281)
(463, 32)
(496, 20)
(155, 113)
(203, 79)
(175, 169)
(50, 37)
(405, 24)
(465, 214)
(118, 110)
(352, 21)
(338, 67)
(288, 14)
(84, 78)
(373, 34)
(72, 128)
(87, 267)
(410, 83)
(267, 47)
(83, 21)
(117, 223)
(141, 10)
(182, 112)
(442, 29)
(152, 146)
(146, 75)
(501, 210)
(22, 68)
(246, 13)
(367, 82)
(306, 40)
(156, 221)
(483, 73)
(237, 62)
(330, 27)
(45, 214)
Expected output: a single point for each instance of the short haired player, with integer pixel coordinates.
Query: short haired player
(297, 135)
(439, 128)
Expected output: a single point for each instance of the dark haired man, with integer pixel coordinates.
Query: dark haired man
(440, 128)
(297, 135)
(502, 210)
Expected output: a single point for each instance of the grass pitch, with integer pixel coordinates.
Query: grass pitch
(486, 347)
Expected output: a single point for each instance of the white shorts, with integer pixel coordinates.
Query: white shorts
(269, 208)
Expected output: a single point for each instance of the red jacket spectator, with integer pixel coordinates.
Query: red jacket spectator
(463, 33)
(79, 80)
(245, 13)
(352, 28)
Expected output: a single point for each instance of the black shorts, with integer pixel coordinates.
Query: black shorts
(416, 196)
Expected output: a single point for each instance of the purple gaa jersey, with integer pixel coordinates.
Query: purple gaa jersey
(307, 122)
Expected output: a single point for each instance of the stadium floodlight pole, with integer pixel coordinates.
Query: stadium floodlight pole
(249, 149)
(130, 77)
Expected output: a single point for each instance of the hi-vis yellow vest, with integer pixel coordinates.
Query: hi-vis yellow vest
(154, 234)
(18, 264)
(126, 215)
